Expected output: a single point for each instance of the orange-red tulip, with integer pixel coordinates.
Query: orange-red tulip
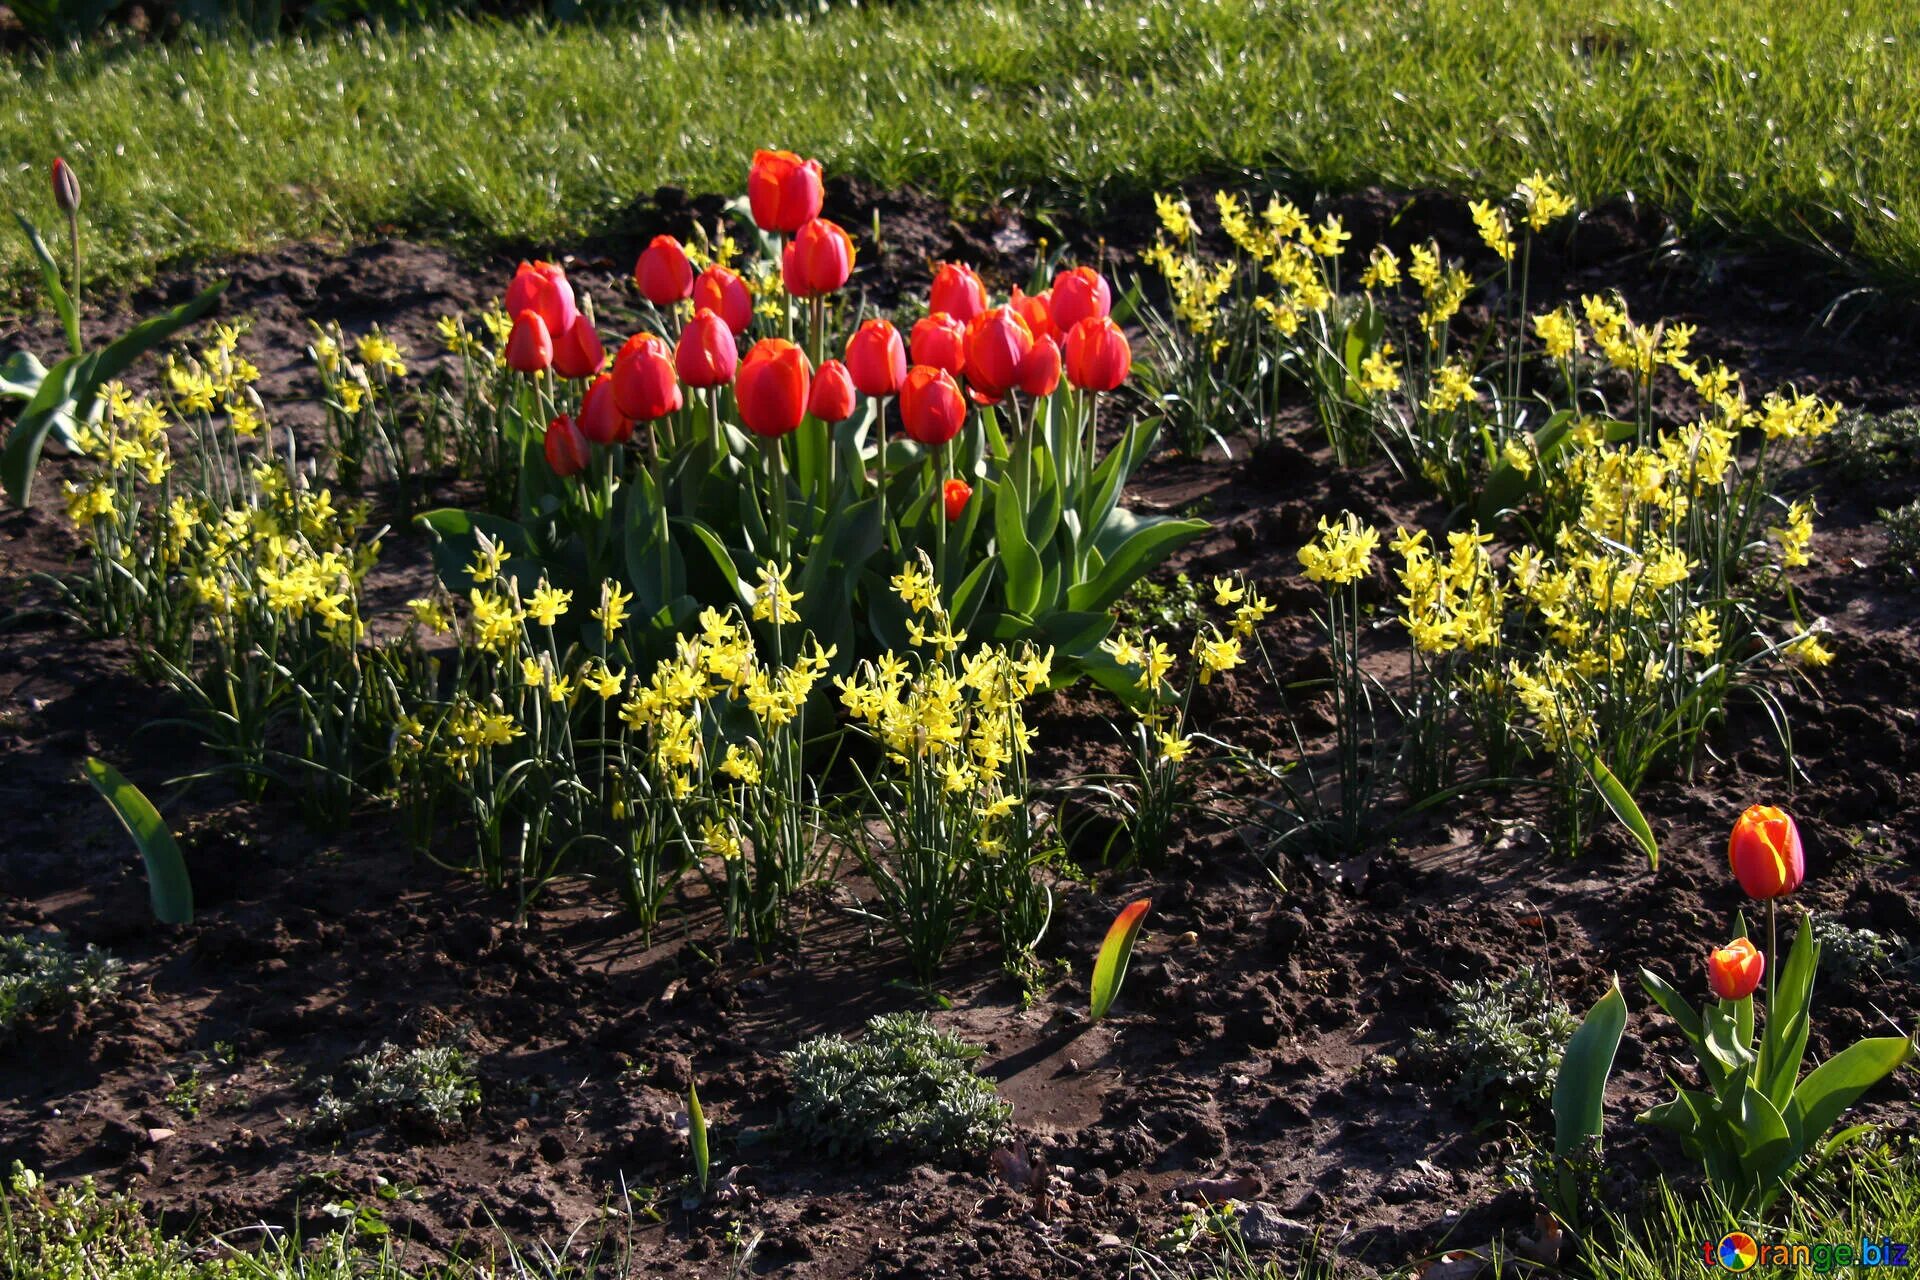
(529, 346)
(1037, 310)
(772, 387)
(832, 397)
(577, 353)
(707, 352)
(877, 358)
(998, 342)
(663, 272)
(817, 260)
(643, 383)
(1766, 854)
(66, 187)
(1040, 371)
(542, 287)
(958, 292)
(1079, 294)
(1733, 971)
(1097, 355)
(565, 447)
(784, 191)
(931, 406)
(600, 418)
(940, 340)
(724, 293)
(954, 496)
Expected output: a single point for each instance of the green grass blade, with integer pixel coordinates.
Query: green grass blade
(1110, 969)
(166, 870)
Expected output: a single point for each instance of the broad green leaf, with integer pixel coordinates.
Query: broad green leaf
(167, 882)
(1783, 1045)
(57, 394)
(21, 375)
(457, 539)
(1110, 968)
(1151, 541)
(1837, 1083)
(1015, 552)
(1580, 1088)
(1620, 800)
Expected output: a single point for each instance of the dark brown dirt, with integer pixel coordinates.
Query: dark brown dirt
(1264, 1031)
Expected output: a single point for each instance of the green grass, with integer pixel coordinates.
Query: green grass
(1765, 118)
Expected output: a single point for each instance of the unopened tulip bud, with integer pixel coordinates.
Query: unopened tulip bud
(955, 496)
(566, 448)
(66, 187)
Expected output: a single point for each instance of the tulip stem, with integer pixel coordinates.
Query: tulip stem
(939, 510)
(880, 469)
(73, 241)
(1773, 957)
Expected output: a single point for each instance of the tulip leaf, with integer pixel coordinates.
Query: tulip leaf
(1789, 1020)
(1147, 542)
(56, 291)
(1110, 968)
(167, 883)
(21, 375)
(1015, 552)
(1837, 1084)
(697, 1136)
(1580, 1087)
(457, 539)
(1621, 801)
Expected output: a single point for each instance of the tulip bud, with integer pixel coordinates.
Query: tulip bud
(1079, 294)
(877, 359)
(998, 342)
(724, 293)
(772, 387)
(954, 496)
(643, 384)
(1735, 970)
(832, 397)
(1097, 355)
(817, 260)
(784, 191)
(1037, 310)
(565, 447)
(706, 353)
(600, 418)
(940, 341)
(1040, 371)
(1766, 853)
(577, 353)
(542, 287)
(663, 272)
(931, 407)
(66, 187)
(958, 292)
(529, 346)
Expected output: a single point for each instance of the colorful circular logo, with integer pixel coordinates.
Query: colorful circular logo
(1738, 1252)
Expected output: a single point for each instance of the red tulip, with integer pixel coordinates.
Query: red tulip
(643, 384)
(529, 346)
(543, 287)
(958, 292)
(832, 398)
(1079, 294)
(877, 358)
(1766, 853)
(1098, 356)
(940, 340)
(707, 353)
(1037, 310)
(1040, 371)
(1734, 971)
(784, 191)
(600, 418)
(772, 387)
(931, 406)
(663, 272)
(577, 353)
(566, 448)
(817, 260)
(997, 345)
(66, 187)
(724, 293)
(954, 495)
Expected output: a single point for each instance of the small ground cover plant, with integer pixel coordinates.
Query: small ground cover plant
(42, 973)
(903, 1088)
(1499, 1044)
(430, 1090)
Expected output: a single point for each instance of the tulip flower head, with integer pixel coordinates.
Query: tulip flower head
(1766, 853)
(600, 418)
(832, 397)
(565, 447)
(66, 187)
(784, 191)
(542, 287)
(1079, 294)
(954, 496)
(530, 345)
(577, 353)
(931, 406)
(1097, 355)
(772, 387)
(958, 292)
(722, 291)
(1037, 310)
(940, 341)
(663, 272)
(1735, 970)
(817, 260)
(877, 359)
(707, 353)
(998, 342)
(644, 387)
(1040, 371)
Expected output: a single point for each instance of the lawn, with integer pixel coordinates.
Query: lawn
(1759, 119)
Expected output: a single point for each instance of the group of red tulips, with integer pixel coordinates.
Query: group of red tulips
(963, 349)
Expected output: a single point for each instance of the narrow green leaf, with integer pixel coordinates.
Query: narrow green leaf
(167, 882)
(1620, 800)
(1110, 969)
(697, 1135)
(56, 290)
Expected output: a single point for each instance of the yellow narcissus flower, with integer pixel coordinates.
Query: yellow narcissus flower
(1559, 335)
(1343, 553)
(1174, 748)
(772, 601)
(612, 613)
(1496, 232)
(548, 604)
